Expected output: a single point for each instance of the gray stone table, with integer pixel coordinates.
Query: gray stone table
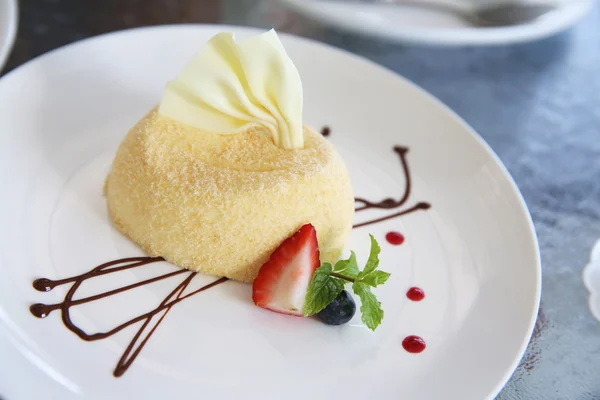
(536, 104)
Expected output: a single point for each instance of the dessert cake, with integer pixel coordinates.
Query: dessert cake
(223, 170)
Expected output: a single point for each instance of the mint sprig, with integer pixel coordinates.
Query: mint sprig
(373, 261)
(370, 309)
(348, 267)
(328, 282)
(375, 278)
(322, 290)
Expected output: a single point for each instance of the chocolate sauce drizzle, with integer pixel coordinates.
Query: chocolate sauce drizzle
(152, 319)
(390, 203)
(140, 339)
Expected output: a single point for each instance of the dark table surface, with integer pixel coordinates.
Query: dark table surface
(536, 104)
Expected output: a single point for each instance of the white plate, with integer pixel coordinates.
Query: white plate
(409, 24)
(474, 252)
(8, 28)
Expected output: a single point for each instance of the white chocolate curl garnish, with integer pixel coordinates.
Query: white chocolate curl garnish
(229, 86)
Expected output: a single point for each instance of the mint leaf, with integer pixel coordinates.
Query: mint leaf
(375, 278)
(322, 290)
(347, 267)
(373, 261)
(370, 308)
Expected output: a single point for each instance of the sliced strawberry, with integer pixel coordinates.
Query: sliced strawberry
(283, 280)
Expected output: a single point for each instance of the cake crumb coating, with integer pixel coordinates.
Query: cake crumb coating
(220, 204)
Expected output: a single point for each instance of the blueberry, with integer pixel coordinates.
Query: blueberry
(339, 311)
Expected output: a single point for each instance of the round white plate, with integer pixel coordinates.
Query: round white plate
(474, 252)
(8, 28)
(409, 24)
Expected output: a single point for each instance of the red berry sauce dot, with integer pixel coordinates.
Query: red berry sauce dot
(413, 344)
(415, 294)
(395, 238)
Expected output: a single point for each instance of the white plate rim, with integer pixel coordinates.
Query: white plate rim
(591, 272)
(11, 31)
(553, 23)
(393, 75)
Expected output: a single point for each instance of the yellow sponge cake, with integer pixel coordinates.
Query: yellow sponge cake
(220, 204)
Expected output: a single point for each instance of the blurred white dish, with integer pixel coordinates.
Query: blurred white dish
(8, 28)
(411, 24)
(591, 278)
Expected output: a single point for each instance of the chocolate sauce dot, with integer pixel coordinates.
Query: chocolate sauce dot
(423, 206)
(415, 294)
(326, 131)
(43, 285)
(401, 150)
(388, 202)
(413, 344)
(40, 310)
(395, 238)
